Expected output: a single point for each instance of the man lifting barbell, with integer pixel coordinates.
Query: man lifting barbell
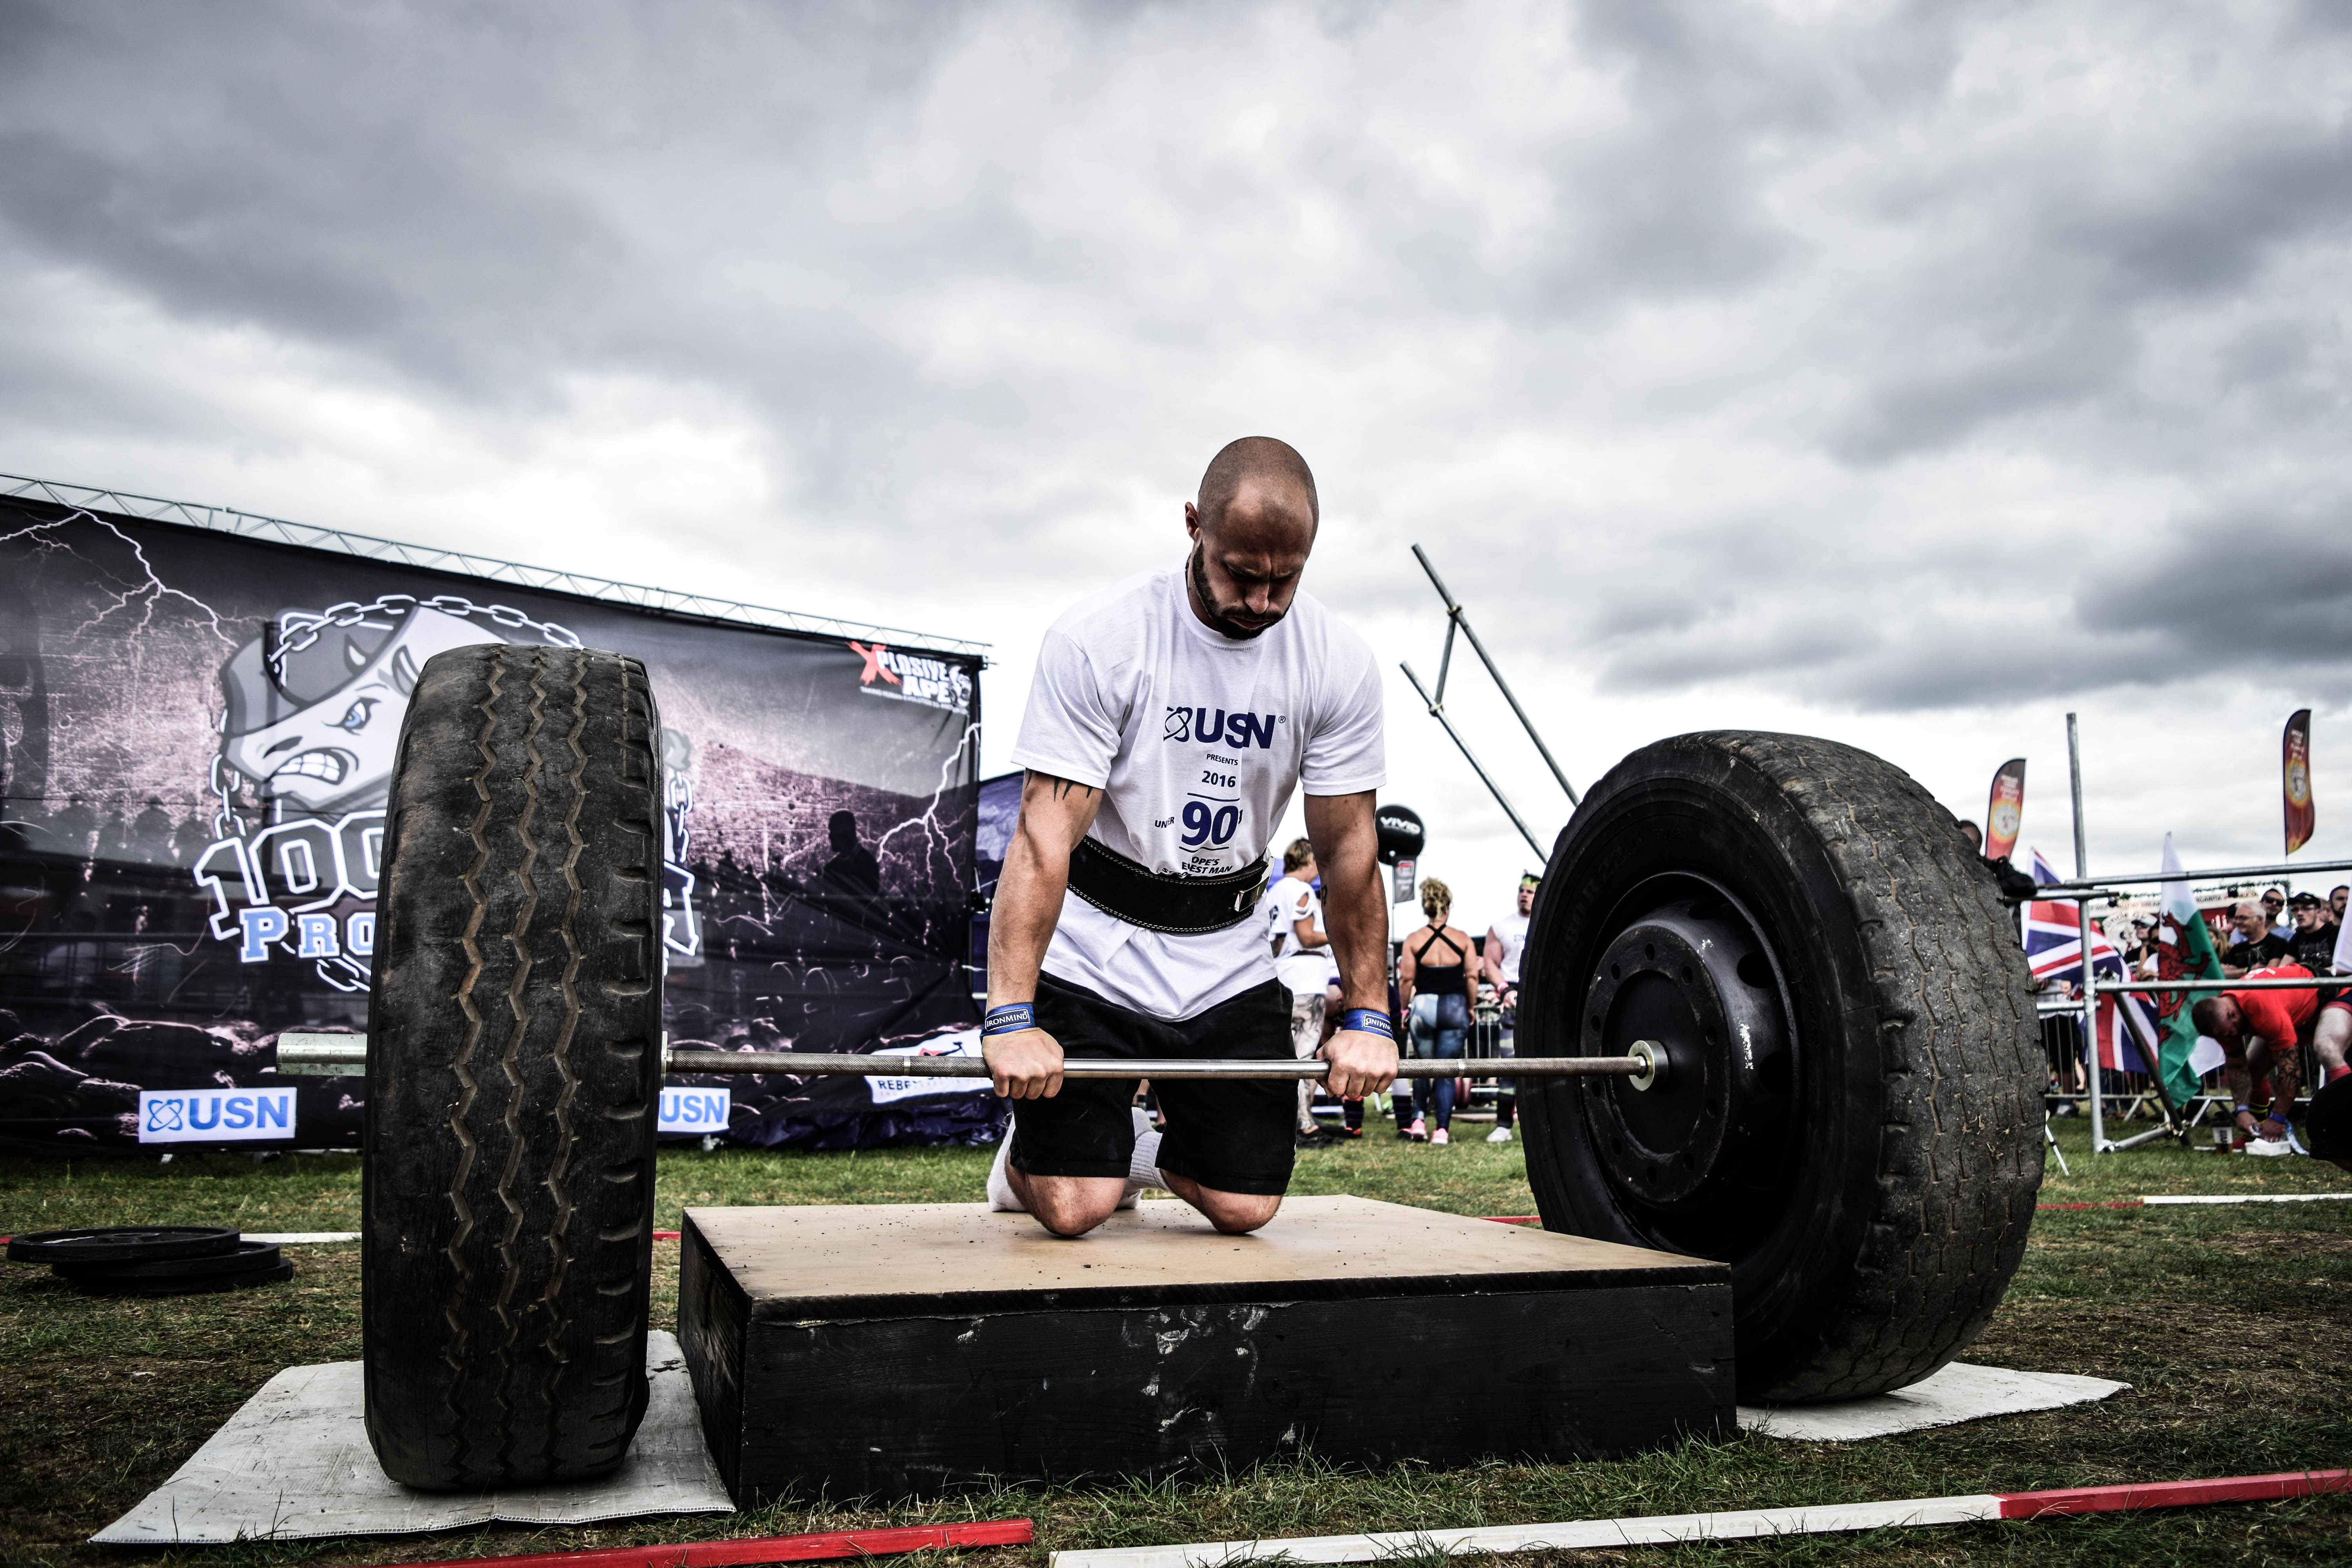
(1169, 720)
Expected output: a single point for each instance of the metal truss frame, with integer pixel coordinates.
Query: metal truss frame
(366, 547)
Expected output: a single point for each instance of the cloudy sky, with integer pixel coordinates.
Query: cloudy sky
(1906, 375)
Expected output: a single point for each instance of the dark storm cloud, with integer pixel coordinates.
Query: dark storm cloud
(2278, 577)
(1885, 357)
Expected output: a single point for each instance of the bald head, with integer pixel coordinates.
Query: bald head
(1264, 465)
(1252, 530)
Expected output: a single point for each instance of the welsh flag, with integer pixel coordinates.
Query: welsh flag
(2179, 1050)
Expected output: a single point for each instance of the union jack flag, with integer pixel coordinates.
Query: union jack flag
(2053, 947)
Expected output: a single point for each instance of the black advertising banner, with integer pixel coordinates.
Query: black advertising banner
(197, 735)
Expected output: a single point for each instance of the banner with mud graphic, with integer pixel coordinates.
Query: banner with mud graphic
(196, 739)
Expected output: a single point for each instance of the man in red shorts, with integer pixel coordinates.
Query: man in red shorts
(2259, 1032)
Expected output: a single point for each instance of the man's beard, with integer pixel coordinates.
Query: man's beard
(1197, 571)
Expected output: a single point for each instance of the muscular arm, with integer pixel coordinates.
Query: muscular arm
(1055, 814)
(1356, 915)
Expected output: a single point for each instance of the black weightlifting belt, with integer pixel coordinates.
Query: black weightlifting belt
(1179, 905)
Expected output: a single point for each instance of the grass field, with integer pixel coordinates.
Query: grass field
(2232, 1324)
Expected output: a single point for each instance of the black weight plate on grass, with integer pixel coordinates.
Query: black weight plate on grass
(1850, 1113)
(193, 1285)
(245, 1256)
(514, 1071)
(123, 1244)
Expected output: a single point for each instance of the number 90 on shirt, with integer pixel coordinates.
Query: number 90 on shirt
(1214, 829)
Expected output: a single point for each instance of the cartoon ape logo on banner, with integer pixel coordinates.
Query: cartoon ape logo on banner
(307, 736)
(197, 733)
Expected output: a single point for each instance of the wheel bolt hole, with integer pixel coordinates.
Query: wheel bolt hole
(1650, 950)
(1615, 972)
(1755, 971)
(1686, 974)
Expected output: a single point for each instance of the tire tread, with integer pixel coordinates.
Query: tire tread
(509, 1191)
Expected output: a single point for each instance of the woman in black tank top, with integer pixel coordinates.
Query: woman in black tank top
(1434, 977)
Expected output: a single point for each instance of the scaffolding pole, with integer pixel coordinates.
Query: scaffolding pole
(1437, 711)
(2083, 912)
(1458, 619)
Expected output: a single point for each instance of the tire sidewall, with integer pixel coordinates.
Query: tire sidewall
(1708, 813)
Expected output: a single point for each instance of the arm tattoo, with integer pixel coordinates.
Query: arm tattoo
(1062, 787)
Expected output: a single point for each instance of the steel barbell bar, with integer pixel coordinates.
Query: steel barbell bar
(346, 1055)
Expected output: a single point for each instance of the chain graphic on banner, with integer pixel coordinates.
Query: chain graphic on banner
(299, 629)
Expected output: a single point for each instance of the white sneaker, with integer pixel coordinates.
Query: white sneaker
(2270, 1148)
(1499, 1135)
(1143, 1165)
(1001, 1198)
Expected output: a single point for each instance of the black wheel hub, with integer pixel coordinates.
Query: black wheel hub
(1689, 971)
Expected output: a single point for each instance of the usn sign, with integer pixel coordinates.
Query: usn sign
(214, 1115)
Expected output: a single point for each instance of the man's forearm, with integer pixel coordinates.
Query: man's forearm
(1022, 919)
(1055, 814)
(1355, 912)
(1358, 925)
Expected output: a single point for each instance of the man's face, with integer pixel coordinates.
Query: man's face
(2230, 1026)
(2272, 905)
(2335, 902)
(1527, 899)
(1247, 564)
(2251, 921)
(2309, 917)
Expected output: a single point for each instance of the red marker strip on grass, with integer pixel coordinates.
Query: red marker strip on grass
(767, 1548)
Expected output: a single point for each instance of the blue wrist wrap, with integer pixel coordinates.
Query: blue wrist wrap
(1009, 1019)
(1368, 1021)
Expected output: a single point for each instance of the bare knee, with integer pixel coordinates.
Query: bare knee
(1068, 1206)
(1067, 1222)
(1236, 1213)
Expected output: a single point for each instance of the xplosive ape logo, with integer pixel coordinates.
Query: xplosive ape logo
(1239, 730)
(308, 737)
(908, 677)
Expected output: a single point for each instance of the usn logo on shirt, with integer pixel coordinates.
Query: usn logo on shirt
(1239, 730)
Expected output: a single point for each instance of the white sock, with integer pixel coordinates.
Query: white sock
(1001, 1198)
(1143, 1165)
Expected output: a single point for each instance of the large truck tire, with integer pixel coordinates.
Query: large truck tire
(514, 1041)
(1850, 1113)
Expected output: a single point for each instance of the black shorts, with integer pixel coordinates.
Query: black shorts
(1231, 1134)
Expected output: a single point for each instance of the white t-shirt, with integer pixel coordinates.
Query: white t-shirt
(1303, 971)
(1196, 740)
(1512, 930)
